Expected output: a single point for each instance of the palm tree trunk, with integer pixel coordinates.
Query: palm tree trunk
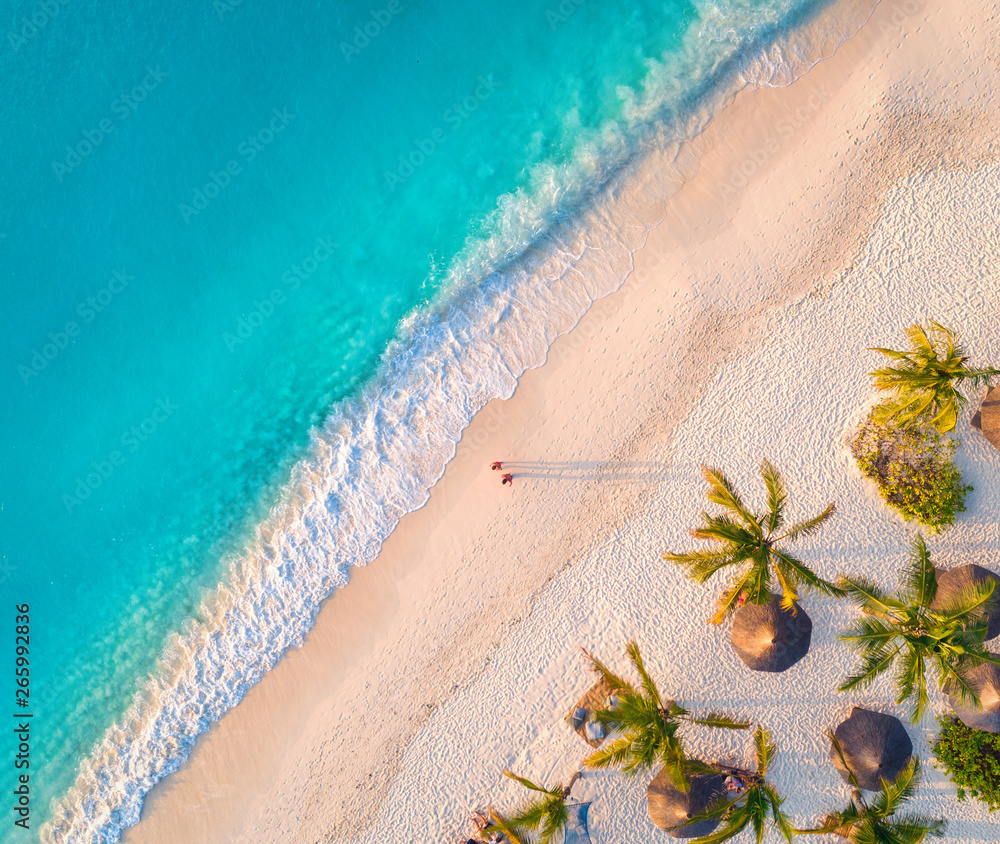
(571, 783)
(730, 769)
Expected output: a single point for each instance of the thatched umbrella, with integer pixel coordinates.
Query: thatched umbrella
(769, 638)
(985, 677)
(954, 582)
(875, 746)
(987, 419)
(670, 808)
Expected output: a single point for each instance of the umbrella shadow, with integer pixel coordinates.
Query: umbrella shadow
(588, 470)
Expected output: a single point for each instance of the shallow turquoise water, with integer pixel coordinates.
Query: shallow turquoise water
(216, 219)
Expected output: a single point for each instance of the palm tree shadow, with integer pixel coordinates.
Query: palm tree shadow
(588, 470)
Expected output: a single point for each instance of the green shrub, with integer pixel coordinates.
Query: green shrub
(971, 758)
(913, 469)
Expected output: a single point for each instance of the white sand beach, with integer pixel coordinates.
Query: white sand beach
(816, 220)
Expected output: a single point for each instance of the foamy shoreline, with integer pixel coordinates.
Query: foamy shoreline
(456, 603)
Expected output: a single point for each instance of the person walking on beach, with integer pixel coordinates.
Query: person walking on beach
(507, 478)
(496, 465)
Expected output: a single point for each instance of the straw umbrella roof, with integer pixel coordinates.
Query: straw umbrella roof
(987, 419)
(669, 808)
(769, 638)
(985, 677)
(954, 582)
(876, 747)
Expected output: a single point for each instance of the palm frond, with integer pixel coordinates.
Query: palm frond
(920, 342)
(732, 826)
(713, 811)
(789, 594)
(947, 416)
(890, 353)
(912, 829)
(919, 577)
(701, 565)
(554, 823)
(777, 496)
(756, 808)
(724, 530)
(529, 784)
(729, 600)
(616, 682)
(615, 754)
(810, 525)
(778, 817)
(981, 377)
(758, 586)
(765, 749)
(911, 679)
(516, 834)
(632, 649)
(875, 663)
(702, 571)
(530, 817)
(676, 766)
(868, 596)
(851, 778)
(868, 634)
(721, 492)
(800, 573)
(954, 682)
(970, 603)
(718, 720)
(893, 793)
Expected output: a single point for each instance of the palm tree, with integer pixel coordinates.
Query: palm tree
(544, 816)
(648, 725)
(758, 804)
(903, 630)
(924, 379)
(748, 541)
(876, 822)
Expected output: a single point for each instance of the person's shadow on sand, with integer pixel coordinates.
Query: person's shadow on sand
(588, 470)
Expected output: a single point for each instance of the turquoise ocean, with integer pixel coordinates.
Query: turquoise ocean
(261, 263)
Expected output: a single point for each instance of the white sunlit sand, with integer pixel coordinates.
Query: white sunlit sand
(741, 335)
